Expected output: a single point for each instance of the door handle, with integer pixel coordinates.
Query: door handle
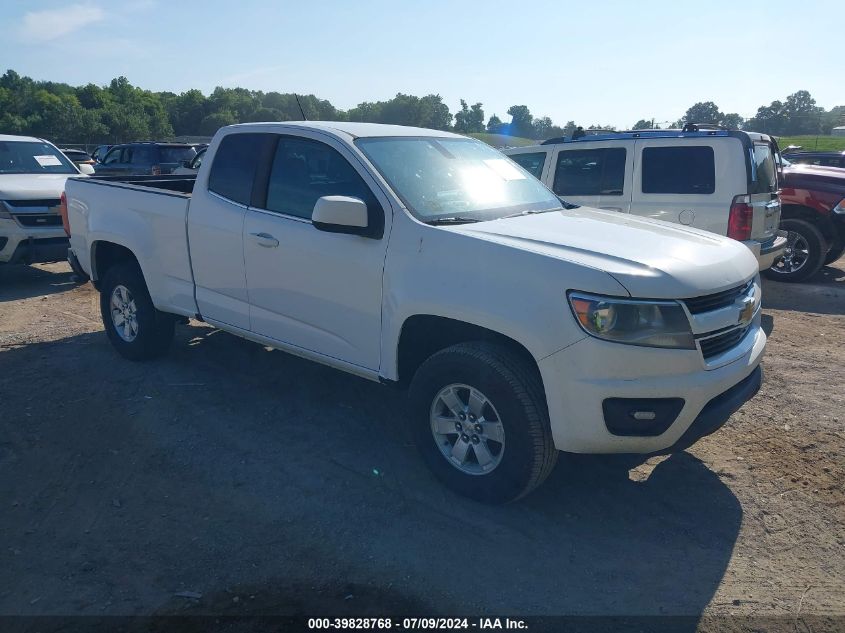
(265, 239)
(619, 209)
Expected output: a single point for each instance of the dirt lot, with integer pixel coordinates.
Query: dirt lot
(269, 484)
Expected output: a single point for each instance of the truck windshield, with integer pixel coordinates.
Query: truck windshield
(764, 171)
(455, 177)
(33, 157)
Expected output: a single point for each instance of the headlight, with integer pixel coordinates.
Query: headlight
(840, 208)
(647, 323)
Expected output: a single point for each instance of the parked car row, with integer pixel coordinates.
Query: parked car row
(523, 326)
(719, 180)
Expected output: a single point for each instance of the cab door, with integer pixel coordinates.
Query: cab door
(311, 289)
(594, 174)
(216, 218)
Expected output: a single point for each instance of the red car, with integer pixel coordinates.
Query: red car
(813, 214)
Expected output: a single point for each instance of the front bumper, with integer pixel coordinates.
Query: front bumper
(20, 245)
(580, 378)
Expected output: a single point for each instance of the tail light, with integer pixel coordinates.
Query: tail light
(740, 218)
(63, 211)
(156, 170)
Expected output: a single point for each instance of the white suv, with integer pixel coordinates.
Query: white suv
(723, 181)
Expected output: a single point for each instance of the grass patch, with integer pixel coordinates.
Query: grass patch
(503, 140)
(814, 143)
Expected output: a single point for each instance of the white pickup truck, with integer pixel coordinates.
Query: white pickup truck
(523, 326)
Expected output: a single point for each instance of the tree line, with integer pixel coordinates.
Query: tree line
(121, 112)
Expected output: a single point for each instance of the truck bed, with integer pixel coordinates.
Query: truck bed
(176, 184)
(146, 215)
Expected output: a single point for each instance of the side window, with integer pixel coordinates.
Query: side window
(113, 157)
(685, 170)
(590, 172)
(532, 163)
(304, 171)
(142, 155)
(233, 169)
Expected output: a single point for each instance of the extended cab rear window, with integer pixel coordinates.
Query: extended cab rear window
(532, 163)
(590, 172)
(234, 166)
(684, 170)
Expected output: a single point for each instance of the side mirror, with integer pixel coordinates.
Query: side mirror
(86, 169)
(340, 214)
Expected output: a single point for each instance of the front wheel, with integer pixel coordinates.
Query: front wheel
(135, 328)
(480, 421)
(805, 251)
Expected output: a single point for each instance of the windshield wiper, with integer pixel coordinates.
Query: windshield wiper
(529, 212)
(453, 219)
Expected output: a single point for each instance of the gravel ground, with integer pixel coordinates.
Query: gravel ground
(261, 483)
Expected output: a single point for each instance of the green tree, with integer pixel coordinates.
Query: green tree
(476, 117)
(462, 118)
(494, 125)
(213, 122)
(733, 121)
(521, 121)
(541, 128)
(702, 112)
(643, 124)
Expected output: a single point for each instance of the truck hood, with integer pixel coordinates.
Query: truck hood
(650, 258)
(32, 186)
(798, 176)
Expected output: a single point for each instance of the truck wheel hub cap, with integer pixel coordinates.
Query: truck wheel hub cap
(124, 313)
(467, 429)
(795, 255)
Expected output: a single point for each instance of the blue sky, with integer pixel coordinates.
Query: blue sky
(594, 62)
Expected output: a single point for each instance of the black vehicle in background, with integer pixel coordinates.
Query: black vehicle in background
(146, 158)
(822, 159)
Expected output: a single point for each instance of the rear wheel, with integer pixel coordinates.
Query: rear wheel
(805, 252)
(480, 422)
(135, 328)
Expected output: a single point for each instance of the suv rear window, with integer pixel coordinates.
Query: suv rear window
(590, 172)
(689, 170)
(532, 163)
(235, 162)
(176, 154)
(764, 177)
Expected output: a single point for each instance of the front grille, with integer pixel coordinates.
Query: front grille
(39, 219)
(720, 343)
(717, 300)
(43, 202)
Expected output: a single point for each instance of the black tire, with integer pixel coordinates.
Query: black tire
(514, 388)
(835, 251)
(154, 329)
(812, 263)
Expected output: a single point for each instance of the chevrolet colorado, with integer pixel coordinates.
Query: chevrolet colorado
(522, 326)
(32, 177)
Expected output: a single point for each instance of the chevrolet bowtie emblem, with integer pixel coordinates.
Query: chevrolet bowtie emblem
(746, 312)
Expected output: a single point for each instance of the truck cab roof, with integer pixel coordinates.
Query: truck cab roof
(348, 128)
